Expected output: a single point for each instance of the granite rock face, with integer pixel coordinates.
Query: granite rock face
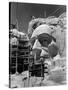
(58, 24)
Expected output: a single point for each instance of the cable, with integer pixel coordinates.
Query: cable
(55, 11)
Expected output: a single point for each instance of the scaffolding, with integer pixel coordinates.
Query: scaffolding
(21, 60)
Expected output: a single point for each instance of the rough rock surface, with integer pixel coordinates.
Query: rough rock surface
(57, 77)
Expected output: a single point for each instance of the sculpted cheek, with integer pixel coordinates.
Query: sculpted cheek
(53, 50)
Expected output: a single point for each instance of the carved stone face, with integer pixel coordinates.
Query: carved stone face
(43, 44)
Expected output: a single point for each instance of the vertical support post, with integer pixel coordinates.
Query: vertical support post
(42, 70)
(29, 71)
(16, 60)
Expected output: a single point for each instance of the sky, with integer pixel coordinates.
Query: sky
(22, 13)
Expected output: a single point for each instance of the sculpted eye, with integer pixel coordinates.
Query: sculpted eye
(45, 43)
(44, 40)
